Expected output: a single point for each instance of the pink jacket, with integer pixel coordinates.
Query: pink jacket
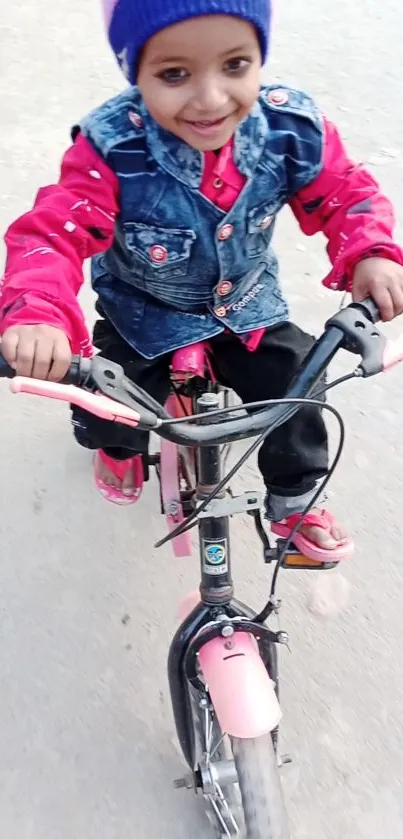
(74, 219)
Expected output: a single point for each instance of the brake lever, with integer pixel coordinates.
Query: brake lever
(361, 336)
(109, 378)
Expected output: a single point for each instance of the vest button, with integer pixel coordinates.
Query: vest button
(158, 253)
(218, 183)
(224, 288)
(220, 312)
(277, 97)
(226, 232)
(266, 222)
(135, 119)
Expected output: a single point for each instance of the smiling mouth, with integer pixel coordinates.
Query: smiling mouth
(207, 126)
(207, 121)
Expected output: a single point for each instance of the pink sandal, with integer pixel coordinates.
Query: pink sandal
(325, 521)
(120, 468)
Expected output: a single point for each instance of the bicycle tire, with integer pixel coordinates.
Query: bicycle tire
(260, 787)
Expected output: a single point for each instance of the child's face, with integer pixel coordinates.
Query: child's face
(201, 77)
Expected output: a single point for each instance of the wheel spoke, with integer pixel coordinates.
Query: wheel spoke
(215, 795)
(227, 808)
(217, 745)
(216, 809)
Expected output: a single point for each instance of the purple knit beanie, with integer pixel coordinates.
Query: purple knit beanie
(131, 23)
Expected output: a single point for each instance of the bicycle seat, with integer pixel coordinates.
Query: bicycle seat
(191, 361)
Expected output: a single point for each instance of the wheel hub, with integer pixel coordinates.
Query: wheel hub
(220, 773)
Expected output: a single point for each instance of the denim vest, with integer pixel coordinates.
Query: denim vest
(180, 269)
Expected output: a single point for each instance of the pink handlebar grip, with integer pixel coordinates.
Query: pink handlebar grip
(97, 404)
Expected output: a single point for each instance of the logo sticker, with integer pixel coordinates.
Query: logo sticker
(237, 307)
(215, 556)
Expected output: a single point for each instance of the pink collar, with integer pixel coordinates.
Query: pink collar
(222, 182)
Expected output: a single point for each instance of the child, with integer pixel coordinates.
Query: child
(173, 188)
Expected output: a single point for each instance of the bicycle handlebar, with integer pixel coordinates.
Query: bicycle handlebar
(100, 386)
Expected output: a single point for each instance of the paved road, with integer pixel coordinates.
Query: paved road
(87, 748)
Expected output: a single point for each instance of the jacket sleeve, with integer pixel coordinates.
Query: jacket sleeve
(346, 204)
(46, 247)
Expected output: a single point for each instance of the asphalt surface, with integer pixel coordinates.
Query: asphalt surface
(87, 606)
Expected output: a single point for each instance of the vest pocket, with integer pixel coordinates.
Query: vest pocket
(260, 225)
(158, 254)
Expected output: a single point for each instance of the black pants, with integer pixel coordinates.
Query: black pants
(292, 458)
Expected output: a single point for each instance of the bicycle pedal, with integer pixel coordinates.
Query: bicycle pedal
(270, 555)
(294, 559)
(187, 782)
(154, 459)
(283, 760)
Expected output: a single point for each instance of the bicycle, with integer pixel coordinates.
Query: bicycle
(222, 663)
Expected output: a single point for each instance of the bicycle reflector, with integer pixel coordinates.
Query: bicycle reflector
(294, 559)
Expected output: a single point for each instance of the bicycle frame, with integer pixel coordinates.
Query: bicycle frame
(218, 644)
(221, 649)
(222, 663)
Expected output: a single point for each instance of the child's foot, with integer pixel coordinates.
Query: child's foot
(331, 537)
(320, 537)
(109, 477)
(119, 481)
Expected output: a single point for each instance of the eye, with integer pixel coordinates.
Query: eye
(237, 65)
(174, 75)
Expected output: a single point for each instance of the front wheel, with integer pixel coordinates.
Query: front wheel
(260, 788)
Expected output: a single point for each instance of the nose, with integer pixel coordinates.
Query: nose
(210, 95)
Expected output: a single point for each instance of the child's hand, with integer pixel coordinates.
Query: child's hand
(382, 280)
(41, 352)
